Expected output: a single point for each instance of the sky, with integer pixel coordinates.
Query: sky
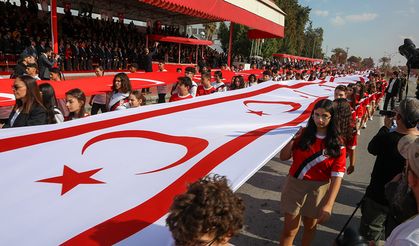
(369, 28)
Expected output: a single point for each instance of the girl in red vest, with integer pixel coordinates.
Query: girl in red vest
(315, 176)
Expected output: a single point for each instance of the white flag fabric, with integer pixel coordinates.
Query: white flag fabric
(111, 178)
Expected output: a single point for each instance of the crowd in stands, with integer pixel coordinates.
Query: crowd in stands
(85, 42)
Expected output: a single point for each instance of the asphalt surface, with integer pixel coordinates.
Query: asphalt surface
(262, 192)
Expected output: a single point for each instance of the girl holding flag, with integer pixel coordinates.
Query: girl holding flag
(315, 176)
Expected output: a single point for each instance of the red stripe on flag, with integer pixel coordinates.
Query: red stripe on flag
(130, 222)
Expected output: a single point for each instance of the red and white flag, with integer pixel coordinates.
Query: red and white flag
(111, 178)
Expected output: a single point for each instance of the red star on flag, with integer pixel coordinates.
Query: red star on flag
(71, 179)
(260, 113)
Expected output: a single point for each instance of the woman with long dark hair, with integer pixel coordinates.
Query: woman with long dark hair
(315, 176)
(121, 88)
(76, 100)
(50, 103)
(28, 110)
(345, 122)
(57, 75)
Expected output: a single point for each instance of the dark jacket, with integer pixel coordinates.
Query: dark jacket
(36, 116)
(388, 163)
(395, 89)
(148, 65)
(19, 70)
(45, 66)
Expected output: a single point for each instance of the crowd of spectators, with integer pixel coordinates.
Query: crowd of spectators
(85, 42)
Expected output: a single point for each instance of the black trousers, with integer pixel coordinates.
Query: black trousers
(388, 99)
(96, 107)
(162, 98)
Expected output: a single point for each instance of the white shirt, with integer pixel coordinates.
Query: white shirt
(193, 89)
(390, 86)
(219, 86)
(12, 120)
(405, 234)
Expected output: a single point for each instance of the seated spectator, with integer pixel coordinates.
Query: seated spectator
(183, 88)
(20, 68)
(50, 103)
(133, 68)
(76, 101)
(136, 99)
(121, 89)
(32, 70)
(218, 84)
(208, 213)
(28, 110)
(205, 88)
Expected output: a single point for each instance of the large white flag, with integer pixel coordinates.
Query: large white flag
(111, 178)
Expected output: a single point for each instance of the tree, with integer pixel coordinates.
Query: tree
(385, 61)
(313, 39)
(367, 63)
(300, 36)
(241, 44)
(355, 61)
(339, 56)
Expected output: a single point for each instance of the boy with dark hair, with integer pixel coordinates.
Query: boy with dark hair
(208, 213)
(205, 88)
(340, 91)
(190, 73)
(184, 85)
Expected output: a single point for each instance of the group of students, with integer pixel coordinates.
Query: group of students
(319, 152)
(38, 105)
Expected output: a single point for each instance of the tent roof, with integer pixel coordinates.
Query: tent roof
(179, 40)
(301, 58)
(262, 15)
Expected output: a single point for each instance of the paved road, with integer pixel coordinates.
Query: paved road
(261, 195)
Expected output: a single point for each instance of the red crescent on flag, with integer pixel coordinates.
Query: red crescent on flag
(134, 220)
(294, 105)
(12, 143)
(193, 145)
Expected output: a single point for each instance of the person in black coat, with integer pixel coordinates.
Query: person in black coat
(147, 61)
(28, 110)
(45, 63)
(20, 68)
(392, 91)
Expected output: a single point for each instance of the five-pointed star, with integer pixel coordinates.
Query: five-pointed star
(260, 113)
(71, 179)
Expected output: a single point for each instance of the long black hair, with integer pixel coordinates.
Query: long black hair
(343, 119)
(332, 140)
(49, 100)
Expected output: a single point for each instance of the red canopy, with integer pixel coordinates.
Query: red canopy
(299, 58)
(262, 15)
(179, 40)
